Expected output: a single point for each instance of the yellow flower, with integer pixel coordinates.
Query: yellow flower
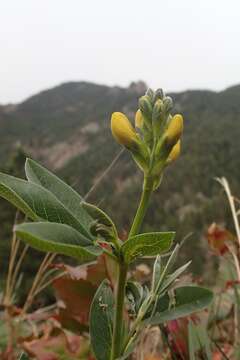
(138, 119)
(174, 130)
(175, 152)
(122, 130)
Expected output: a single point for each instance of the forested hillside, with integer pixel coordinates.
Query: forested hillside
(67, 129)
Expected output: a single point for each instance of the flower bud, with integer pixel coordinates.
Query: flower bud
(150, 93)
(138, 119)
(145, 106)
(174, 130)
(168, 104)
(122, 130)
(159, 94)
(157, 109)
(175, 152)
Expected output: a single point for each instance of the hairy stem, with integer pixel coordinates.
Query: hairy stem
(142, 208)
(118, 319)
(123, 269)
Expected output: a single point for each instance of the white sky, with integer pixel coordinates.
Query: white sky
(174, 44)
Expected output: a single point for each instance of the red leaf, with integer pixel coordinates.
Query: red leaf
(217, 237)
(76, 289)
(58, 345)
(231, 283)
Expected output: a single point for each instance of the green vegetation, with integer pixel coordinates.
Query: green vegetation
(59, 221)
(67, 129)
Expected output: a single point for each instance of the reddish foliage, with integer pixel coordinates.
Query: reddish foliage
(218, 355)
(231, 283)
(178, 335)
(217, 237)
(52, 346)
(76, 290)
(7, 354)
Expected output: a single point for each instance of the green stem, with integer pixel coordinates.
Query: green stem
(118, 319)
(123, 269)
(141, 211)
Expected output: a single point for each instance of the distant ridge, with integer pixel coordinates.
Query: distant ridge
(67, 129)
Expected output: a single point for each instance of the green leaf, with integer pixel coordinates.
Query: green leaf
(66, 195)
(167, 268)
(157, 268)
(187, 300)
(135, 296)
(4, 334)
(129, 351)
(237, 352)
(57, 238)
(148, 244)
(198, 341)
(171, 260)
(24, 356)
(172, 277)
(37, 203)
(102, 219)
(101, 319)
(192, 342)
(15, 192)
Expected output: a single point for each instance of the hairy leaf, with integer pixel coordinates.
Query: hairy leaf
(167, 268)
(134, 293)
(101, 318)
(66, 194)
(186, 300)
(37, 203)
(103, 219)
(157, 268)
(148, 244)
(57, 238)
(172, 277)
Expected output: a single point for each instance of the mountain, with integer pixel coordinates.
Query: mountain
(67, 129)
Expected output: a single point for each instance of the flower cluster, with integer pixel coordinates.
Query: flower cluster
(155, 140)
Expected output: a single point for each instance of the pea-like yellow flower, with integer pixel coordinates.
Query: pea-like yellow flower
(174, 130)
(175, 152)
(122, 130)
(138, 119)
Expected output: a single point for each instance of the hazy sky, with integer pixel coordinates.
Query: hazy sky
(175, 44)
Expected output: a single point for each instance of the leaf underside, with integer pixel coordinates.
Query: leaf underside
(37, 202)
(58, 238)
(66, 194)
